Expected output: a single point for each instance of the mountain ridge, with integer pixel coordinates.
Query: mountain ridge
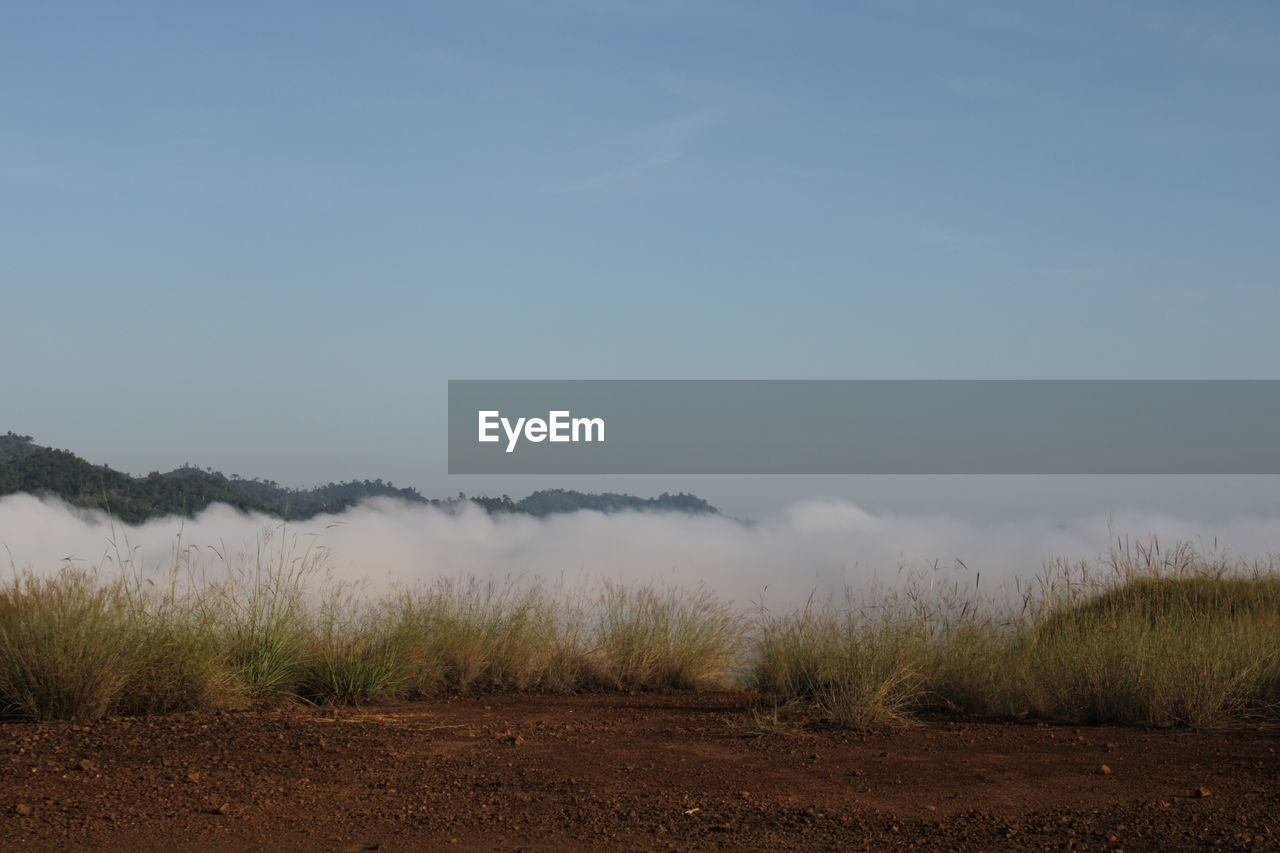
(29, 467)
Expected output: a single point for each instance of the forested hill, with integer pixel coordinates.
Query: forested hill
(28, 467)
(550, 501)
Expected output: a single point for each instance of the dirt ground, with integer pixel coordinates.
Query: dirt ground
(678, 771)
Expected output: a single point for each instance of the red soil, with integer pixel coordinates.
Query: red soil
(679, 771)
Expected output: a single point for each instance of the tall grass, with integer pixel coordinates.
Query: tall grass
(1152, 637)
(65, 646)
(346, 654)
(1168, 637)
(649, 637)
(1156, 637)
(177, 659)
(461, 634)
(261, 612)
(74, 648)
(856, 667)
(82, 643)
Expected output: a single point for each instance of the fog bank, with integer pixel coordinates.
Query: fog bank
(811, 546)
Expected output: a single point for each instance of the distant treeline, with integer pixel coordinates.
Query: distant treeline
(28, 467)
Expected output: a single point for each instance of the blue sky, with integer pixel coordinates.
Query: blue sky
(262, 236)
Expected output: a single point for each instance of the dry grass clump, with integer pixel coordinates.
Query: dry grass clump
(648, 637)
(855, 666)
(83, 643)
(461, 634)
(65, 647)
(1156, 637)
(177, 661)
(1166, 638)
(74, 648)
(261, 614)
(349, 655)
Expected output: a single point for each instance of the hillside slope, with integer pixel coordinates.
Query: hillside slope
(29, 467)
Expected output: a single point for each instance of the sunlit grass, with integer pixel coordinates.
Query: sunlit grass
(1163, 637)
(647, 637)
(1152, 637)
(65, 646)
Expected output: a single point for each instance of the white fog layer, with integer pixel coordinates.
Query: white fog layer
(812, 546)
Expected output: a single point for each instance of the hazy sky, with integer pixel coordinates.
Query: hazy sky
(261, 237)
